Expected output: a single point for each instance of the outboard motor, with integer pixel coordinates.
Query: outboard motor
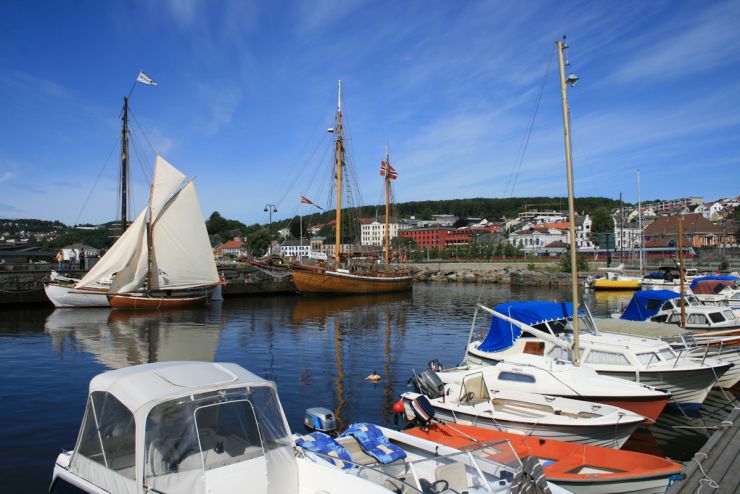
(428, 383)
(320, 419)
(435, 365)
(420, 410)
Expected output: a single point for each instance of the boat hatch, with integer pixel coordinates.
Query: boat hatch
(218, 442)
(196, 377)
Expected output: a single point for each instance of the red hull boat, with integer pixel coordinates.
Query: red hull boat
(576, 467)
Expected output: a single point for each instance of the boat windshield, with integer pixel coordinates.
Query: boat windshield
(566, 325)
(205, 432)
(484, 467)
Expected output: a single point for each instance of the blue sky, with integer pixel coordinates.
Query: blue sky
(247, 89)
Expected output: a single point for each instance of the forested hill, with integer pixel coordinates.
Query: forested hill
(492, 209)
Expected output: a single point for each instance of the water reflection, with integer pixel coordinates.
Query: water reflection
(123, 338)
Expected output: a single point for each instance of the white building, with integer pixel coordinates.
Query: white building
(295, 248)
(534, 240)
(374, 233)
(627, 237)
(711, 211)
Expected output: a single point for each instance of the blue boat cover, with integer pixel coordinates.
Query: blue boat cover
(502, 334)
(318, 442)
(716, 277)
(646, 304)
(374, 442)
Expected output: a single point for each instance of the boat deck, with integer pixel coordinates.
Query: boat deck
(719, 459)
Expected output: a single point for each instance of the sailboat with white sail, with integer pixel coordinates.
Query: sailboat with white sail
(164, 259)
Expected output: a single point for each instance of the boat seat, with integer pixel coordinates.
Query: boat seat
(474, 390)
(454, 474)
(374, 443)
(355, 451)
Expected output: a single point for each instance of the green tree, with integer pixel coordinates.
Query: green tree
(581, 262)
(601, 222)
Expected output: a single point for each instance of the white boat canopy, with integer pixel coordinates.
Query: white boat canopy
(184, 427)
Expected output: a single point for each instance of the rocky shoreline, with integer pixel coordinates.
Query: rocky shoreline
(502, 275)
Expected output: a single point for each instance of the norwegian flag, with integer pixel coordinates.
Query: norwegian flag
(306, 200)
(385, 167)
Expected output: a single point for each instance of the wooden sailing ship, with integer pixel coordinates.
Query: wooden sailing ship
(336, 279)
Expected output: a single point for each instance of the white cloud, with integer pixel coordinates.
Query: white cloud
(222, 101)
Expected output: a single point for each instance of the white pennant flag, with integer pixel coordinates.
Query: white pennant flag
(145, 79)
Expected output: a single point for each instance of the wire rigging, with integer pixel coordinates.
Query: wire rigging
(521, 153)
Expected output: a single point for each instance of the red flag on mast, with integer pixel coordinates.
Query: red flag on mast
(392, 173)
(306, 200)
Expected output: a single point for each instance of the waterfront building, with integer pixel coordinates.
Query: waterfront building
(664, 207)
(697, 230)
(374, 233)
(295, 248)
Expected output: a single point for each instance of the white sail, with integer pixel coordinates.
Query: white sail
(133, 276)
(119, 255)
(167, 179)
(182, 255)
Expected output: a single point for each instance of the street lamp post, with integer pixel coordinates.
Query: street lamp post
(269, 209)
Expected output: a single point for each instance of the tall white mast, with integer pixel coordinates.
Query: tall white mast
(639, 217)
(571, 205)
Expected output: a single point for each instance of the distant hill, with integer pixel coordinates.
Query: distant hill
(492, 209)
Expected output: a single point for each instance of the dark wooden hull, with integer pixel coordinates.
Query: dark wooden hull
(331, 282)
(161, 300)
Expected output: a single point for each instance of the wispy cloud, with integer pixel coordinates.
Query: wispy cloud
(320, 14)
(5, 176)
(222, 101)
(691, 44)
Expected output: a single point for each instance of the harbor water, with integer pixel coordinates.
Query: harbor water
(318, 350)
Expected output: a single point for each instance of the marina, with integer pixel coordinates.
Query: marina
(317, 350)
(504, 319)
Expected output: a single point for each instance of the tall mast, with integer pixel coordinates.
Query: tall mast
(681, 269)
(149, 240)
(639, 217)
(387, 203)
(124, 166)
(339, 153)
(571, 206)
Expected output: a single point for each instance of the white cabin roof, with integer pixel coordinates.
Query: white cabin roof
(141, 384)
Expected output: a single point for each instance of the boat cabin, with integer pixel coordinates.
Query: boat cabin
(664, 306)
(181, 427)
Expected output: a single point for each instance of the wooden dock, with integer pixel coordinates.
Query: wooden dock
(715, 468)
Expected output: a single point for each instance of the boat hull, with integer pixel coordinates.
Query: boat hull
(67, 296)
(330, 282)
(648, 407)
(616, 285)
(577, 468)
(160, 301)
(688, 388)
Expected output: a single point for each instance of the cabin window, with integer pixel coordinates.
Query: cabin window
(107, 435)
(667, 306)
(729, 315)
(516, 377)
(697, 319)
(736, 296)
(606, 358)
(716, 317)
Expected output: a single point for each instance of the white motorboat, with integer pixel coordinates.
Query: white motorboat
(667, 278)
(191, 427)
(547, 376)
(665, 306)
(722, 291)
(544, 328)
(471, 403)
(407, 464)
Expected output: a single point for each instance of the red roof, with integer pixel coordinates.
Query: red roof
(233, 244)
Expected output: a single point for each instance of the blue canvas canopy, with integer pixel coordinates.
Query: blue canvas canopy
(714, 277)
(646, 304)
(503, 334)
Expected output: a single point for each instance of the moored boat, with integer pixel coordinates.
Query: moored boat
(336, 278)
(191, 427)
(543, 416)
(546, 328)
(554, 377)
(578, 468)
